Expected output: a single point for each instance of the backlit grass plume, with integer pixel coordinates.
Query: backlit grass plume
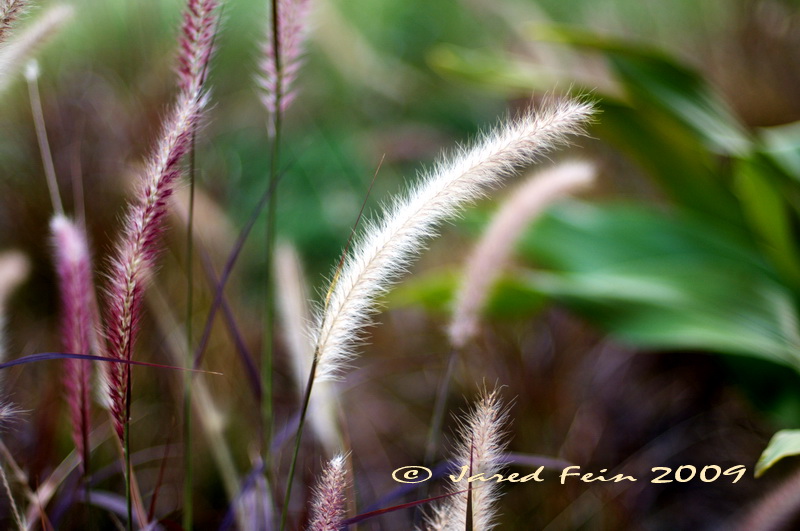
(79, 322)
(386, 247)
(480, 449)
(14, 269)
(488, 258)
(328, 504)
(196, 43)
(10, 10)
(138, 248)
(22, 46)
(282, 54)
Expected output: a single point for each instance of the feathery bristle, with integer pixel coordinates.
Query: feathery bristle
(386, 248)
(196, 43)
(79, 320)
(488, 258)
(328, 503)
(277, 75)
(14, 53)
(10, 11)
(480, 448)
(139, 246)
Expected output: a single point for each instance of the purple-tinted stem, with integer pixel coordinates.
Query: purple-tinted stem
(241, 348)
(228, 269)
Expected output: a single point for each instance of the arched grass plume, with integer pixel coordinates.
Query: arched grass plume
(486, 261)
(385, 249)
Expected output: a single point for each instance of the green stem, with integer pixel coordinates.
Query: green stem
(297, 439)
(127, 452)
(269, 315)
(188, 478)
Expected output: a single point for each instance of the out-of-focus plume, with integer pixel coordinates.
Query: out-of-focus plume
(79, 321)
(282, 55)
(295, 316)
(16, 51)
(490, 255)
(14, 269)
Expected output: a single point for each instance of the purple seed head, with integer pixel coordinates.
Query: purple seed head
(278, 72)
(10, 11)
(196, 43)
(79, 320)
(328, 504)
(139, 246)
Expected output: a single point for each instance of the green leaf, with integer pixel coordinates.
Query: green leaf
(763, 203)
(782, 145)
(490, 69)
(685, 172)
(652, 78)
(663, 281)
(785, 443)
(511, 297)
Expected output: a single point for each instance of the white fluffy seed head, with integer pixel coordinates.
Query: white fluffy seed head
(482, 441)
(488, 258)
(386, 247)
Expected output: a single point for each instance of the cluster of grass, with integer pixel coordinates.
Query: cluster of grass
(258, 244)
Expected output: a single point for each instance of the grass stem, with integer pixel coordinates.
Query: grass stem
(188, 478)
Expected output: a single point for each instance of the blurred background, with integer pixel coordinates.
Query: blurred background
(652, 322)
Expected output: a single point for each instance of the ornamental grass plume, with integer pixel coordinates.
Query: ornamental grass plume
(490, 255)
(282, 55)
(137, 251)
(386, 248)
(79, 322)
(10, 11)
(15, 52)
(480, 449)
(196, 44)
(138, 248)
(328, 503)
(14, 269)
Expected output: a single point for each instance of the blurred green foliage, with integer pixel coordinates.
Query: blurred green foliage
(717, 271)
